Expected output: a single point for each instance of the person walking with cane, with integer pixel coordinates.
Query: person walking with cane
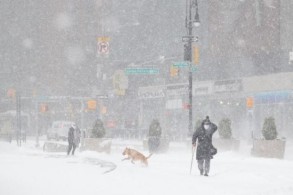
(205, 149)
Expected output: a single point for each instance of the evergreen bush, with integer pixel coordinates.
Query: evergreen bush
(98, 130)
(225, 130)
(269, 130)
(155, 129)
(197, 124)
(155, 132)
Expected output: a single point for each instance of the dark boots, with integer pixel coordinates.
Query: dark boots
(204, 166)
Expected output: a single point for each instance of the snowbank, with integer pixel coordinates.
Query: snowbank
(26, 170)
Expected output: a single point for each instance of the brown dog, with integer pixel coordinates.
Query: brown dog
(134, 155)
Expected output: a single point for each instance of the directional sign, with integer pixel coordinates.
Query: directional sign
(188, 38)
(181, 64)
(142, 71)
(184, 64)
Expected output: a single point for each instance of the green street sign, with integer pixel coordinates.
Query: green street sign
(130, 71)
(181, 64)
(185, 64)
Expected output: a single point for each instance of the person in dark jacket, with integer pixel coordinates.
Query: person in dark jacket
(73, 138)
(205, 149)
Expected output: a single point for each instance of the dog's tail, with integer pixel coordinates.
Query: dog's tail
(149, 156)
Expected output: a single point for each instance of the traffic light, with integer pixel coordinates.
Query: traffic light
(249, 102)
(44, 108)
(195, 55)
(103, 109)
(174, 71)
(91, 104)
(11, 93)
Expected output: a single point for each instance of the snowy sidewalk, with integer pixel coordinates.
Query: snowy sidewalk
(30, 171)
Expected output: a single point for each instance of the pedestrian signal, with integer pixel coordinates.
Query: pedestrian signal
(91, 104)
(195, 55)
(249, 102)
(11, 93)
(174, 71)
(44, 108)
(103, 109)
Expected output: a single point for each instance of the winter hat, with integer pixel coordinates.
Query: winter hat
(207, 120)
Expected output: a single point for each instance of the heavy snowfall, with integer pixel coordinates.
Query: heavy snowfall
(177, 84)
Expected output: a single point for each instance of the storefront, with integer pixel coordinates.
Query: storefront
(246, 102)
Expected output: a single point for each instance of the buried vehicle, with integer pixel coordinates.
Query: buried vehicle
(59, 130)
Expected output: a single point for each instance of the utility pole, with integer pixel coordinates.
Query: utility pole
(18, 119)
(189, 38)
(37, 122)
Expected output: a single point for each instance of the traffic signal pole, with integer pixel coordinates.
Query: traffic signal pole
(188, 58)
(189, 22)
(18, 119)
(37, 122)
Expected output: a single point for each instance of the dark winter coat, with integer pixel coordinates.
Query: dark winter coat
(74, 136)
(77, 135)
(205, 148)
(71, 135)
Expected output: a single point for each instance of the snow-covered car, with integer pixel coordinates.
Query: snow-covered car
(59, 130)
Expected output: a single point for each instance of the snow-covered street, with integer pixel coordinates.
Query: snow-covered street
(187, 85)
(27, 170)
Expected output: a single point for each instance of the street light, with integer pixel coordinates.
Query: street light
(196, 21)
(189, 24)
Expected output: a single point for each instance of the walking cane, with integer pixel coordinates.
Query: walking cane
(192, 155)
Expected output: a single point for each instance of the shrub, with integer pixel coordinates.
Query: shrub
(197, 124)
(225, 130)
(155, 129)
(269, 130)
(155, 132)
(98, 130)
